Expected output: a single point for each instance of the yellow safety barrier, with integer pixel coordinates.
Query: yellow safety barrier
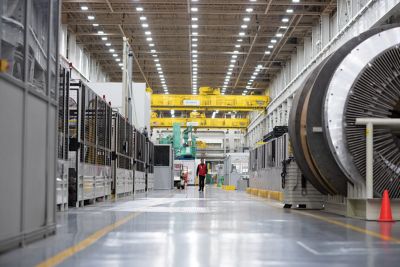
(275, 195)
(229, 187)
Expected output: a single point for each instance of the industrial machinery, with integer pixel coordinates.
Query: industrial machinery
(274, 170)
(123, 149)
(236, 166)
(90, 128)
(149, 165)
(63, 140)
(140, 161)
(361, 79)
(185, 149)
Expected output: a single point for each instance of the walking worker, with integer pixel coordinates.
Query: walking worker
(201, 173)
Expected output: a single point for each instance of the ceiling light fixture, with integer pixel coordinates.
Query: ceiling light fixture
(267, 52)
(115, 55)
(145, 25)
(151, 45)
(249, 10)
(194, 9)
(290, 10)
(195, 19)
(279, 34)
(273, 41)
(246, 19)
(84, 8)
(90, 17)
(147, 32)
(108, 44)
(285, 20)
(112, 50)
(270, 46)
(140, 9)
(104, 38)
(239, 40)
(100, 32)
(195, 40)
(195, 26)
(244, 26)
(149, 39)
(241, 33)
(143, 18)
(95, 25)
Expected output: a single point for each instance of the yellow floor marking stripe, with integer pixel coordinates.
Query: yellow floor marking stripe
(351, 227)
(67, 253)
(341, 224)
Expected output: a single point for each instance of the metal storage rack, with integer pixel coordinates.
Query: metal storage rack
(123, 149)
(149, 165)
(90, 145)
(63, 140)
(140, 162)
(28, 101)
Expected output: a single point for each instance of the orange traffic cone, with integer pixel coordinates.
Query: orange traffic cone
(386, 211)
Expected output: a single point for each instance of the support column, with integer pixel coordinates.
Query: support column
(369, 133)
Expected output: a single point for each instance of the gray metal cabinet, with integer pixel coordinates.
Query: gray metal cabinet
(28, 120)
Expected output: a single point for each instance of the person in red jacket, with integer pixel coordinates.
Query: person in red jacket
(201, 173)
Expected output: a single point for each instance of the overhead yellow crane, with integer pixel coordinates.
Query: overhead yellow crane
(209, 99)
(220, 123)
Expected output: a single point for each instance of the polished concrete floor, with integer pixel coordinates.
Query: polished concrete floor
(214, 228)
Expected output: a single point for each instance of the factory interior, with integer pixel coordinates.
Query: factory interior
(200, 133)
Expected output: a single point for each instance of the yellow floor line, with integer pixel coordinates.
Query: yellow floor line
(343, 225)
(351, 227)
(69, 252)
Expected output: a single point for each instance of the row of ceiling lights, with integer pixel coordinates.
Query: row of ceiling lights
(194, 43)
(236, 51)
(149, 39)
(104, 38)
(270, 46)
(153, 51)
(194, 53)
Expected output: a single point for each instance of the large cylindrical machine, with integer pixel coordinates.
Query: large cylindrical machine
(360, 79)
